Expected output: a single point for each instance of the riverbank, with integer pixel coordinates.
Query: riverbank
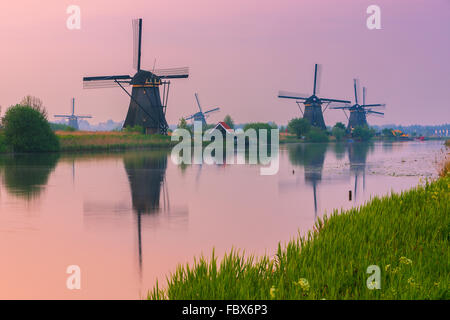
(405, 235)
(71, 141)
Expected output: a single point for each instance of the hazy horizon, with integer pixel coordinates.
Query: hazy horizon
(239, 54)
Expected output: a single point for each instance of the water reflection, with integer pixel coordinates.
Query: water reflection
(357, 155)
(312, 158)
(26, 175)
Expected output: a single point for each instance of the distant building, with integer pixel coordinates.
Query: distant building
(223, 127)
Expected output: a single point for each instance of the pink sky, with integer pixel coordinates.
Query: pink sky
(240, 54)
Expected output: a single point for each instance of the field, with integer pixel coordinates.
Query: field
(111, 140)
(406, 235)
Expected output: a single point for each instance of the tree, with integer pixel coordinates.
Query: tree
(229, 121)
(182, 124)
(27, 130)
(35, 103)
(387, 133)
(299, 126)
(316, 135)
(363, 133)
(338, 133)
(340, 125)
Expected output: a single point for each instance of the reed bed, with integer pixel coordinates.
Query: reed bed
(406, 235)
(100, 141)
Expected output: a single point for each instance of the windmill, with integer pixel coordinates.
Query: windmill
(358, 112)
(201, 116)
(313, 105)
(148, 104)
(73, 119)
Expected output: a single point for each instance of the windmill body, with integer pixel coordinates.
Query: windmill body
(149, 93)
(201, 116)
(72, 118)
(313, 104)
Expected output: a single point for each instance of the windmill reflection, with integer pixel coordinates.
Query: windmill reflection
(312, 158)
(147, 178)
(357, 155)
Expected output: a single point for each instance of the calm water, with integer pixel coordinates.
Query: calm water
(129, 218)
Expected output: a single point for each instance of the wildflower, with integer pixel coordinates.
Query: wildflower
(437, 284)
(387, 267)
(303, 283)
(273, 291)
(405, 260)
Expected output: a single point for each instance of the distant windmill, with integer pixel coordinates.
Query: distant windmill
(313, 104)
(358, 112)
(147, 106)
(73, 119)
(201, 116)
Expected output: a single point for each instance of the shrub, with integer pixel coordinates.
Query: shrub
(387, 133)
(338, 133)
(135, 129)
(316, 135)
(363, 133)
(258, 126)
(299, 127)
(61, 127)
(27, 130)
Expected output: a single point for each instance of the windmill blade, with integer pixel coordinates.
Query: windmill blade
(292, 95)
(335, 100)
(105, 81)
(172, 73)
(61, 116)
(198, 101)
(356, 88)
(137, 43)
(212, 110)
(84, 117)
(334, 105)
(317, 78)
(375, 112)
(189, 117)
(364, 95)
(378, 105)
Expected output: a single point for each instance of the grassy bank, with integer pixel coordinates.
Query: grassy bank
(103, 141)
(406, 235)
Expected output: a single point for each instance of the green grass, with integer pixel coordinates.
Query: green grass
(406, 235)
(111, 141)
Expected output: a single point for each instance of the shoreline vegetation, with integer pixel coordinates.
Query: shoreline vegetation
(405, 235)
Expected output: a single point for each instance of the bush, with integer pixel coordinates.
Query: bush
(316, 135)
(338, 133)
(27, 130)
(3, 147)
(261, 125)
(363, 133)
(387, 133)
(61, 127)
(135, 129)
(298, 126)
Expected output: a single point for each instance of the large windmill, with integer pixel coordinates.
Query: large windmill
(313, 105)
(73, 119)
(358, 112)
(147, 104)
(201, 116)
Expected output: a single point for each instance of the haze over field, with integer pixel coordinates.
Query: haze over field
(240, 54)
